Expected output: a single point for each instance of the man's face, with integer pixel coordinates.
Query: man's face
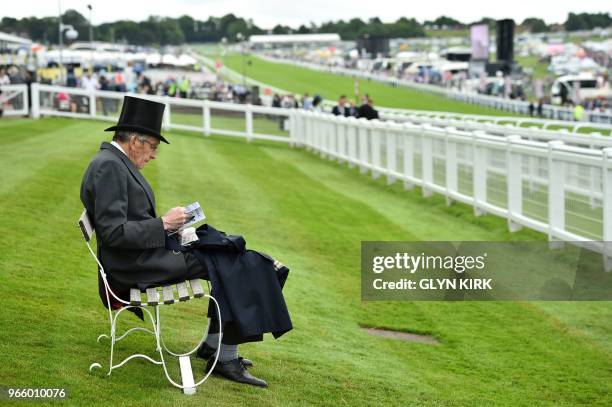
(142, 151)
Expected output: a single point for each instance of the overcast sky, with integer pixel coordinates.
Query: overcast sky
(267, 14)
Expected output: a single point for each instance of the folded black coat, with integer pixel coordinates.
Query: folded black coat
(246, 283)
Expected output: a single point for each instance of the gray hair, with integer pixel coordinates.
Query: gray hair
(124, 136)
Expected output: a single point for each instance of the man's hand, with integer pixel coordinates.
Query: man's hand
(174, 218)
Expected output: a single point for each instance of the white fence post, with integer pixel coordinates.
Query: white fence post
(426, 162)
(35, 90)
(375, 139)
(92, 104)
(479, 172)
(607, 207)
(292, 129)
(556, 195)
(514, 183)
(408, 147)
(341, 129)
(26, 101)
(452, 185)
(335, 137)
(301, 128)
(307, 130)
(249, 123)
(391, 138)
(166, 120)
(330, 137)
(363, 145)
(206, 119)
(352, 141)
(321, 135)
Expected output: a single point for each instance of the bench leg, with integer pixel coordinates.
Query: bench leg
(187, 375)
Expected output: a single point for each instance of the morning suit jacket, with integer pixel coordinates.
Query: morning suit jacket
(131, 238)
(367, 111)
(336, 111)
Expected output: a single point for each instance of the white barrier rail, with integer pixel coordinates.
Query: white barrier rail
(14, 100)
(207, 117)
(562, 190)
(589, 140)
(572, 127)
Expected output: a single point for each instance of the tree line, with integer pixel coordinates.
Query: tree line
(185, 29)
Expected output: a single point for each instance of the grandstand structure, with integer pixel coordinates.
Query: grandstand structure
(552, 181)
(259, 41)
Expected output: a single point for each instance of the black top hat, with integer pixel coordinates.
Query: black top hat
(141, 115)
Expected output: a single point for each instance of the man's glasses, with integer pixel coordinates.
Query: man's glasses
(153, 146)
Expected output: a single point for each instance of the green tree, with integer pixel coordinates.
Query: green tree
(587, 21)
(237, 27)
(447, 21)
(535, 25)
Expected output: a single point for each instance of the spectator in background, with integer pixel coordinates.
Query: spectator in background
(171, 88)
(276, 100)
(316, 103)
(306, 102)
(352, 108)
(71, 79)
(88, 82)
(104, 85)
(119, 82)
(341, 109)
(366, 110)
(578, 112)
(4, 78)
(184, 87)
(540, 108)
(287, 102)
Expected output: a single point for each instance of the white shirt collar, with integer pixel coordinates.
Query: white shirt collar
(118, 146)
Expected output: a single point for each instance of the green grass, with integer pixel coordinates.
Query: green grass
(330, 86)
(532, 62)
(312, 215)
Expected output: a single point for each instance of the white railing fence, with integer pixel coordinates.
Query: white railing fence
(595, 139)
(540, 183)
(14, 100)
(563, 191)
(207, 117)
(581, 127)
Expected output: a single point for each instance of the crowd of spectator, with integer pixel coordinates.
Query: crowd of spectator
(344, 106)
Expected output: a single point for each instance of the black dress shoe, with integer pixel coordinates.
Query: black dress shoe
(205, 352)
(234, 370)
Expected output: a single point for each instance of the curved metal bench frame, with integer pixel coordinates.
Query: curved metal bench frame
(188, 385)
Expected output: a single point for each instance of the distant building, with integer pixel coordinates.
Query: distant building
(289, 40)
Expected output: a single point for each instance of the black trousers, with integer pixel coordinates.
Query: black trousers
(231, 335)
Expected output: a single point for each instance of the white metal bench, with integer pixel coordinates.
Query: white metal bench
(154, 298)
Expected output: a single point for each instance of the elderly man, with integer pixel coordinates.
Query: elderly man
(138, 249)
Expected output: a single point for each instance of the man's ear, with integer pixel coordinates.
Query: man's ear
(133, 141)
